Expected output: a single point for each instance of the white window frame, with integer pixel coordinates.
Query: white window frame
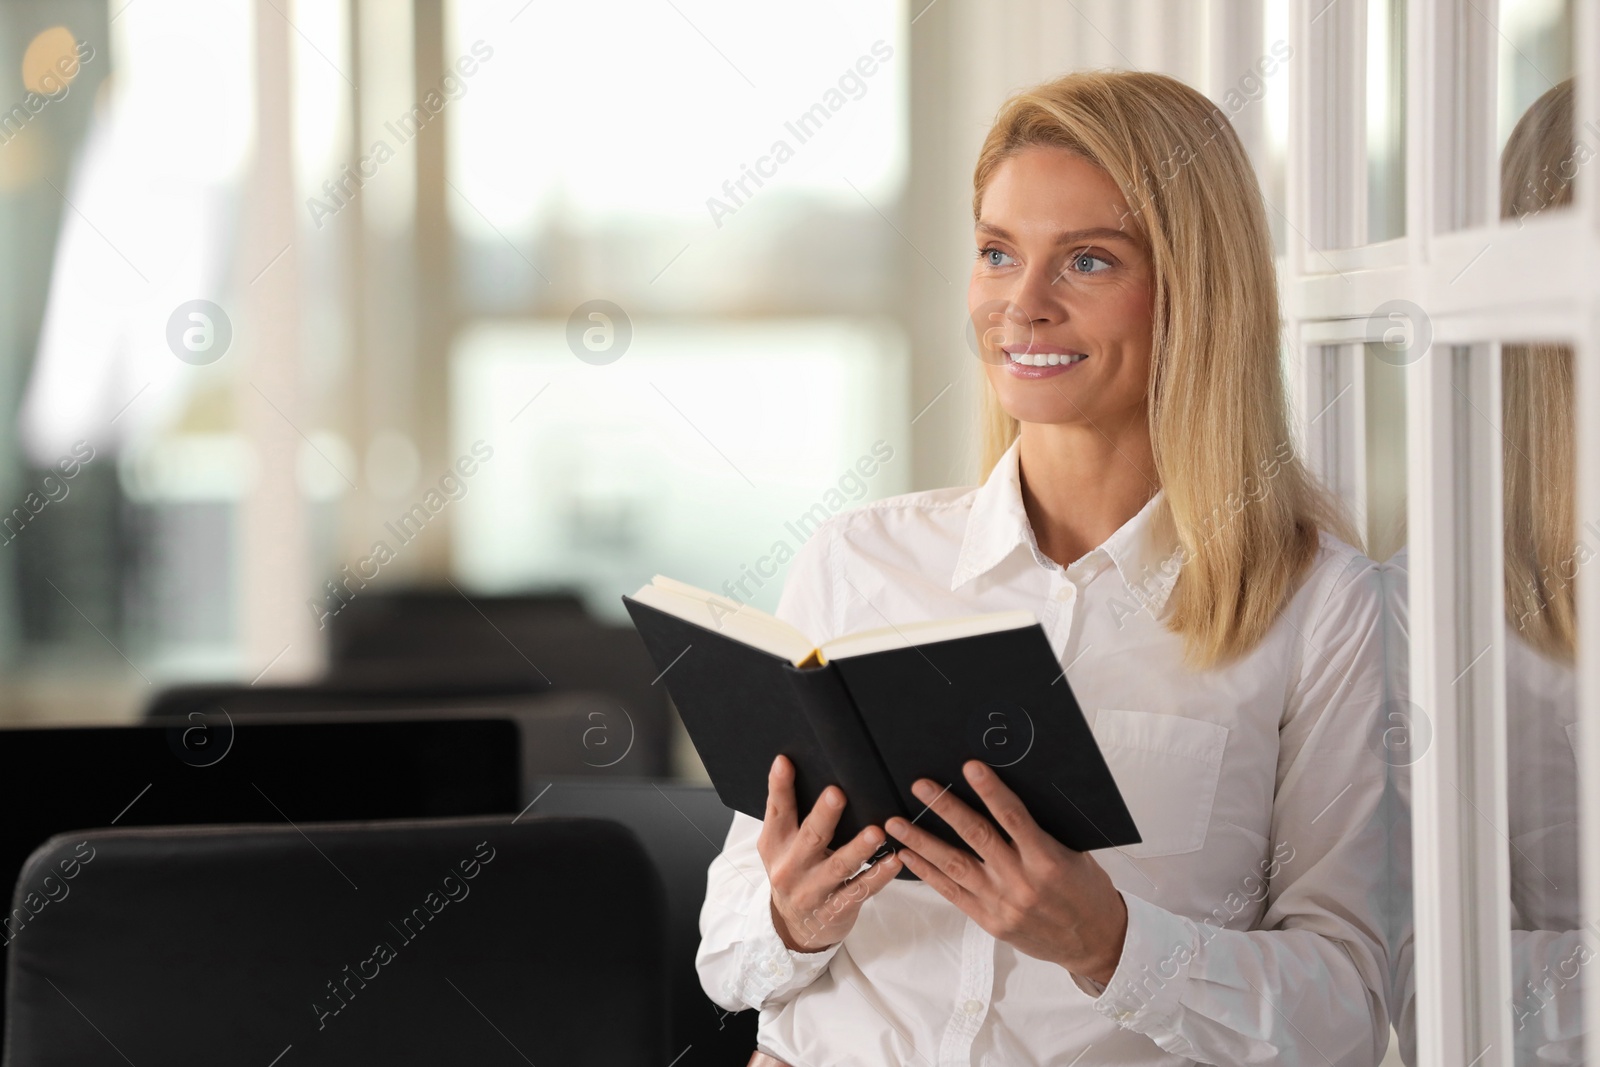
(1334, 281)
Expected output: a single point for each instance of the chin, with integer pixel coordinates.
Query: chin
(1040, 401)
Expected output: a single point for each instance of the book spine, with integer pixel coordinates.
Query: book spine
(870, 794)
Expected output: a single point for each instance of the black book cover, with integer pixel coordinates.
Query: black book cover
(874, 723)
(1001, 698)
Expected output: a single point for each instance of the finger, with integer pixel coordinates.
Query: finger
(879, 874)
(848, 858)
(816, 831)
(975, 829)
(963, 869)
(780, 817)
(838, 902)
(929, 872)
(1005, 807)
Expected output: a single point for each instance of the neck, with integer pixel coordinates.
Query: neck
(1081, 483)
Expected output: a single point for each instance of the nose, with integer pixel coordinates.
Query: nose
(1036, 301)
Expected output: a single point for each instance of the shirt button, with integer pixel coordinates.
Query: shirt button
(1066, 592)
(972, 1007)
(770, 967)
(1124, 1016)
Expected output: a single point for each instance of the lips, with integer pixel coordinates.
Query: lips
(1039, 360)
(1028, 357)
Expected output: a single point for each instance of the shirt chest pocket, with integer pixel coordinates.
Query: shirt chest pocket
(1167, 767)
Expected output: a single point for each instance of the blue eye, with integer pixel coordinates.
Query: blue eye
(1081, 256)
(988, 254)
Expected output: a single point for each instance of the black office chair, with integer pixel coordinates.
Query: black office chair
(683, 827)
(559, 733)
(57, 779)
(394, 689)
(414, 943)
(539, 639)
(564, 731)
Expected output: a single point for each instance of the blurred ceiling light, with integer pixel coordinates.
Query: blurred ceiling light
(51, 61)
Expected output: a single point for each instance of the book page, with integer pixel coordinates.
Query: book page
(911, 634)
(741, 622)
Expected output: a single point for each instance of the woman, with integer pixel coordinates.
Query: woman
(1142, 497)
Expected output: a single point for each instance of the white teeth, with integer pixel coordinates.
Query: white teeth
(1043, 359)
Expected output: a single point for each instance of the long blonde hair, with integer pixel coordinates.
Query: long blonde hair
(1540, 449)
(1218, 410)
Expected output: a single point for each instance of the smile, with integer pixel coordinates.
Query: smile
(1045, 359)
(1040, 361)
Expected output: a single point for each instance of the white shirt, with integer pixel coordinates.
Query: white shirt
(1261, 767)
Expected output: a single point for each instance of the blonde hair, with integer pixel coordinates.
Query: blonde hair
(1218, 410)
(1540, 449)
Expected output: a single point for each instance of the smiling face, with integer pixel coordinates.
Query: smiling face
(1061, 293)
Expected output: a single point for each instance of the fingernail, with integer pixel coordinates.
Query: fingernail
(775, 760)
(833, 797)
(896, 826)
(977, 771)
(921, 789)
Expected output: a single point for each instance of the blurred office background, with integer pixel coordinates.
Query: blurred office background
(494, 297)
(274, 270)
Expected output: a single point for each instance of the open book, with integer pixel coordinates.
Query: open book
(873, 711)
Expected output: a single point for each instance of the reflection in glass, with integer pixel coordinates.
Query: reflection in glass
(1385, 382)
(1543, 551)
(1541, 158)
(1535, 42)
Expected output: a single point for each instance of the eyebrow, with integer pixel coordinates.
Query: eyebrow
(1066, 236)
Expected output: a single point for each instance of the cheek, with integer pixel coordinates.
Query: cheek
(980, 290)
(1121, 313)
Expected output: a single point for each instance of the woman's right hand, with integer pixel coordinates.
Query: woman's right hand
(815, 899)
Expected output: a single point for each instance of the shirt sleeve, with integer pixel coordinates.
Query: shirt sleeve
(742, 961)
(1547, 1000)
(1309, 985)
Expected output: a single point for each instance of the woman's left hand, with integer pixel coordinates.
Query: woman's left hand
(1032, 892)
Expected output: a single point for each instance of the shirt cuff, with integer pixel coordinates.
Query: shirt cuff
(767, 967)
(1146, 987)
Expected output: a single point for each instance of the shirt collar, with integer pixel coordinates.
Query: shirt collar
(1145, 550)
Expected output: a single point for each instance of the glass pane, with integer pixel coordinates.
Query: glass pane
(1543, 551)
(1386, 372)
(604, 472)
(1386, 119)
(1535, 107)
(1401, 735)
